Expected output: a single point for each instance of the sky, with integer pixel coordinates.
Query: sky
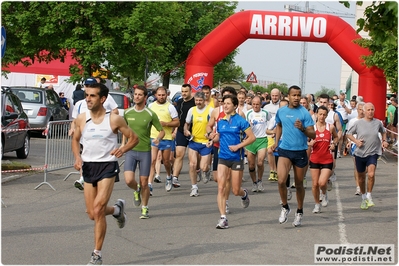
(280, 61)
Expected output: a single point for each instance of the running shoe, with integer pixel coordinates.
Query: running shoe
(298, 219)
(260, 186)
(317, 208)
(227, 208)
(203, 176)
(137, 197)
(254, 187)
(207, 176)
(324, 200)
(194, 192)
(222, 223)
(121, 218)
(78, 185)
(364, 205)
(289, 193)
(284, 215)
(333, 177)
(144, 213)
(329, 185)
(245, 160)
(305, 183)
(157, 179)
(370, 202)
(150, 187)
(271, 176)
(168, 184)
(245, 202)
(358, 193)
(339, 155)
(175, 182)
(293, 185)
(199, 175)
(95, 259)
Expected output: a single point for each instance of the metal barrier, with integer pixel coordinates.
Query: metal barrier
(58, 149)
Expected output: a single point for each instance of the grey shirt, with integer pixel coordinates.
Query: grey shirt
(368, 131)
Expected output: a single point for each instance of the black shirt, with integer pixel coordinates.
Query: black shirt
(182, 108)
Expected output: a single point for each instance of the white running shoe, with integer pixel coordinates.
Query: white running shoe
(194, 192)
(260, 186)
(284, 215)
(324, 200)
(298, 219)
(317, 208)
(254, 187)
(289, 193)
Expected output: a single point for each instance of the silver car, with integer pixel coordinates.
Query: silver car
(41, 106)
(123, 100)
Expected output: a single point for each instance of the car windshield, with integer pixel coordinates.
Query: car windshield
(29, 96)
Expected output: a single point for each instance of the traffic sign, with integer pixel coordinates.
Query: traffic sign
(3, 41)
(252, 78)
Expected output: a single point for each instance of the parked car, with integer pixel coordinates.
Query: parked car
(176, 97)
(14, 125)
(41, 105)
(123, 100)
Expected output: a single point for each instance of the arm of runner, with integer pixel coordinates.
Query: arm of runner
(119, 124)
(76, 143)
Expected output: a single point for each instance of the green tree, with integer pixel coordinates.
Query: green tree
(126, 38)
(325, 90)
(381, 23)
(282, 87)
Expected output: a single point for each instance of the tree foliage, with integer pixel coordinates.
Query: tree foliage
(126, 38)
(381, 23)
(324, 90)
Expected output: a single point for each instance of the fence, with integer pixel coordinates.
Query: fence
(58, 153)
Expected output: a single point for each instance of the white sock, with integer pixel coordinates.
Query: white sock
(194, 186)
(223, 216)
(81, 179)
(368, 195)
(364, 196)
(117, 210)
(97, 252)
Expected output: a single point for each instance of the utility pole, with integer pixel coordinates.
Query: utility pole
(304, 46)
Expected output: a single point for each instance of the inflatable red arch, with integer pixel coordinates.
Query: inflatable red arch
(254, 24)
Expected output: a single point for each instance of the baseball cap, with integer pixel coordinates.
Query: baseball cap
(90, 81)
(342, 92)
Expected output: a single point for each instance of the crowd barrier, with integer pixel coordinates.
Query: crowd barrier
(58, 153)
(392, 149)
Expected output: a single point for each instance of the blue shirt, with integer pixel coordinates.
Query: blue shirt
(231, 132)
(293, 138)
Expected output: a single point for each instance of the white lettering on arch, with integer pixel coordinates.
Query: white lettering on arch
(306, 26)
(295, 26)
(256, 24)
(270, 25)
(284, 26)
(320, 27)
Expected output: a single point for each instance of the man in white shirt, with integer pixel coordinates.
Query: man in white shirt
(81, 107)
(41, 83)
(272, 108)
(344, 108)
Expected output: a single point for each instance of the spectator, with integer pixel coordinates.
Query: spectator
(78, 94)
(41, 83)
(64, 101)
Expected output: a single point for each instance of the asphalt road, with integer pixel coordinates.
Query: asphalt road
(44, 226)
